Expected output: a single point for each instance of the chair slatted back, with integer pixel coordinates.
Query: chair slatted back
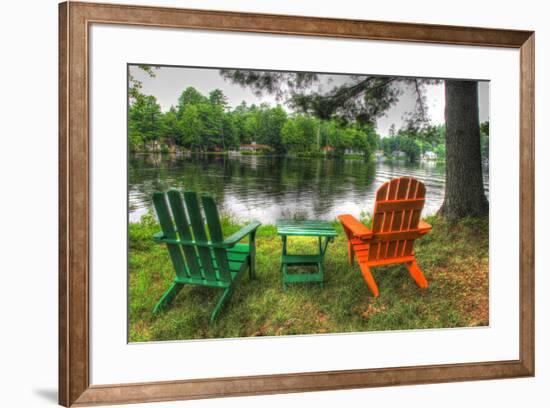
(397, 210)
(216, 235)
(197, 257)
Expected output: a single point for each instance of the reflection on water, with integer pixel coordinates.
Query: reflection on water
(267, 188)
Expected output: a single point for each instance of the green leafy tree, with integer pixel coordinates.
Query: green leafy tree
(240, 115)
(190, 96)
(411, 148)
(309, 127)
(230, 131)
(359, 141)
(190, 126)
(402, 142)
(276, 118)
(250, 127)
(144, 117)
(388, 145)
(211, 117)
(169, 130)
(292, 136)
(217, 97)
(373, 138)
(439, 150)
(339, 138)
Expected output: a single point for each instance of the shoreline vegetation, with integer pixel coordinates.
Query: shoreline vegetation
(206, 124)
(305, 155)
(312, 155)
(453, 256)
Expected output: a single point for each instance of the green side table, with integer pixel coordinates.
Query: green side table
(322, 230)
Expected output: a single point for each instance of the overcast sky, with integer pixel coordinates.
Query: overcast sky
(169, 82)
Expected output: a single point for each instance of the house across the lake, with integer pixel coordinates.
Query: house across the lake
(327, 149)
(254, 147)
(399, 153)
(429, 156)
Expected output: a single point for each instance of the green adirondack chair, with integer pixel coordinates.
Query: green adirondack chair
(198, 258)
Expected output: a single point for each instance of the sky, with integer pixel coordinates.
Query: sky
(169, 82)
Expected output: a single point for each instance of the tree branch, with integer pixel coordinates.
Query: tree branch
(419, 101)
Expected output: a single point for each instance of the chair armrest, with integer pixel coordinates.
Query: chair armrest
(159, 236)
(357, 228)
(243, 232)
(229, 242)
(424, 227)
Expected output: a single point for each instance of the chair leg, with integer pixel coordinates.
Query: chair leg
(252, 257)
(351, 253)
(221, 301)
(417, 274)
(284, 270)
(371, 283)
(251, 272)
(168, 297)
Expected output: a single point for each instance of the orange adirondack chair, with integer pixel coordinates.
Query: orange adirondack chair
(395, 226)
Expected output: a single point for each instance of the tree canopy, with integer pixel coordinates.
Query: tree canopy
(206, 123)
(360, 98)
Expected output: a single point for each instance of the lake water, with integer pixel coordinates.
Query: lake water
(268, 188)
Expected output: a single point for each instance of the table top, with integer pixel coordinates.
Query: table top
(305, 228)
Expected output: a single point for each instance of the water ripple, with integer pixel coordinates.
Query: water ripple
(263, 188)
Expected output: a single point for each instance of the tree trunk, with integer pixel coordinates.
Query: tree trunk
(464, 192)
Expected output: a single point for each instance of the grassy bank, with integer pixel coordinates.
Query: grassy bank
(454, 259)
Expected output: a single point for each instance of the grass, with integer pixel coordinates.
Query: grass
(454, 259)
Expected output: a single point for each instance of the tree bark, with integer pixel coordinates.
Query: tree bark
(464, 192)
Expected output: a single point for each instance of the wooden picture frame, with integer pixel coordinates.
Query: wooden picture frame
(75, 20)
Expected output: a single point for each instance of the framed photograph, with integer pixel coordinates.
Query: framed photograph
(254, 204)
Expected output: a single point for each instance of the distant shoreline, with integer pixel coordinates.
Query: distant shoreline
(310, 155)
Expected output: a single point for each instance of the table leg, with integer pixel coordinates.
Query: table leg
(327, 241)
(322, 251)
(283, 265)
(320, 264)
(297, 260)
